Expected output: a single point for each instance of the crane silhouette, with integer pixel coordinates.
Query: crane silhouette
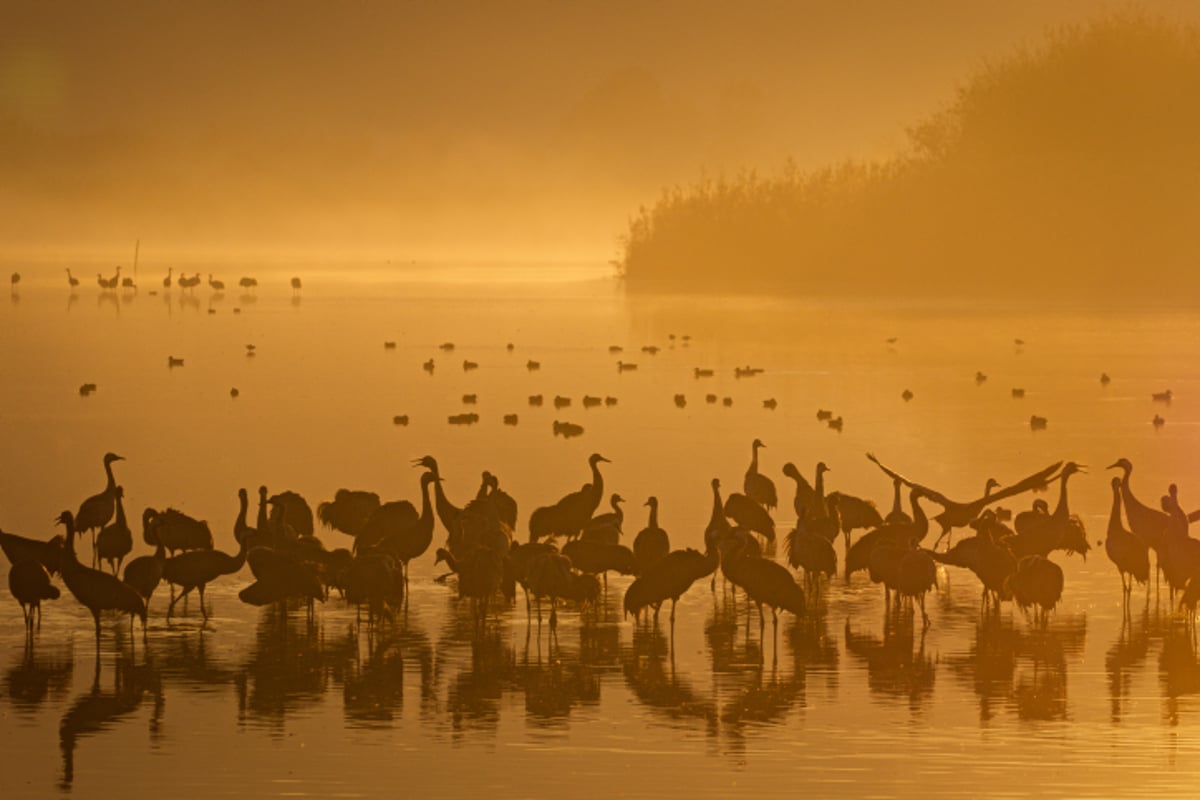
(195, 569)
(72, 281)
(858, 557)
(669, 579)
(598, 558)
(144, 573)
(479, 576)
(115, 540)
(571, 513)
(408, 541)
(957, 515)
(652, 542)
(1037, 582)
(96, 511)
(29, 582)
(349, 510)
(97, 591)
(764, 581)
(176, 530)
(606, 527)
(757, 486)
(22, 548)
(986, 555)
(1128, 552)
(1039, 534)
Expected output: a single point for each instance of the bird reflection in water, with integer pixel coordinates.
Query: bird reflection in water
(373, 682)
(1124, 659)
(36, 675)
(1023, 669)
(655, 683)
(897, 665)
(728, 652)
(99, 709)
(1178, 669)
(473, 696)
(288, 669)
(1041, 680)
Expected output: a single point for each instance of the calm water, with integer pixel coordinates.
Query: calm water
(842, 704)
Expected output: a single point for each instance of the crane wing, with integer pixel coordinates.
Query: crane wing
(935, 496)
(1034, 481)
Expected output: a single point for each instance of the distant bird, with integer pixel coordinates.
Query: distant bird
(1104, 379)
(86, 389)
(625, 366)
(1018, 394)
(248, 283)
(215, 285)
(1128, 552)
(96, 511)
(29, 582)
(469, 365)
(1038, 423)
(97, 591)
(16, 278)
(234, 393)
(295, 285)
(1158, 421)
(72, 281)
(906, 395)
(770, 404)
(172, 361)
(167, 280)
(757, 486)
(128, 283)
(980, 378)
(115, 540)
(652, 542)
(533, 366)
(836, 424)
(680, 401)
(824, 415)
(428, 366)
(1162, 397)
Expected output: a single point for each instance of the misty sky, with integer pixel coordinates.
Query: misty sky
(425, 130)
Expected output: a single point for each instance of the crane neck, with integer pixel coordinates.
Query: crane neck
(718, 509)
(754, 457)
(112, 482)
(820, 488)
(1062, 510)
(447, 512)
(896, 498)
(121, 522)
(920, 521)
(243, 507)
(653, 515)
(1114, 517)
(263, 522)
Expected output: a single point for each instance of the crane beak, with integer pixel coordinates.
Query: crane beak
(1082, 468)
(1113, 465)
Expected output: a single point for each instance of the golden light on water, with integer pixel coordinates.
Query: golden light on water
(515, 237)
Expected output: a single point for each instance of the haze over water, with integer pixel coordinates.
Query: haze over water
(513, 236)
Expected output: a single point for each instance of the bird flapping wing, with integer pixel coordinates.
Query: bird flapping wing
(1034, 481)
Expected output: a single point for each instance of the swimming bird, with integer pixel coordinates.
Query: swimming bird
(1127, 551)
(115, 540)
(29, 582)
(652, 542)
(96, 511)
(957, 515)
(295, 285)
(97, 591)
(757, 486)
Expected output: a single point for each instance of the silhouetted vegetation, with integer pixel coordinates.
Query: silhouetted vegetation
(1072, 168)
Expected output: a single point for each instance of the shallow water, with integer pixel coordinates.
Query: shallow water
(842, 703)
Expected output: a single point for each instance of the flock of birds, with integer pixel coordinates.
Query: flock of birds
(182, 281)
(572, 545)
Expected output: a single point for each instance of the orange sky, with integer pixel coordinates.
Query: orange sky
(459, 129)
